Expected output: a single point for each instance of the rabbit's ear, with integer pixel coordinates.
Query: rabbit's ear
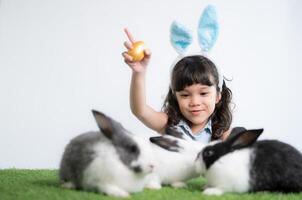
(104, 123)
(173, 132)
(237, 130)
(208, 28)
(243, 139)
(180, 37)
(166, 143)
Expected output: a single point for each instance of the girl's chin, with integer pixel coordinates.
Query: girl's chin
(198, 121)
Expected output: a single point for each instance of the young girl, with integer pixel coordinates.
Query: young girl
(195, 104)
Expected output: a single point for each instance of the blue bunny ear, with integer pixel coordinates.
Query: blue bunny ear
(208, 28)
(180, 37)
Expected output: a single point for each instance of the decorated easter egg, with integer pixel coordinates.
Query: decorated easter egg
(137, 51)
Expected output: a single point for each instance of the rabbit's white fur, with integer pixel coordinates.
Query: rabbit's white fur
(174, 168)
(243, 164)
(112, 161)
(115, 178)
(104, 162)
(220, 177)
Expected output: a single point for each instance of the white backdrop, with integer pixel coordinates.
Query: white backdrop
(59, 59)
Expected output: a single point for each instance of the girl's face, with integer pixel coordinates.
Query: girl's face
(197, 103)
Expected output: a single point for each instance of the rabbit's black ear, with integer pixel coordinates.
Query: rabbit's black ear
(166, 143)
(244, 138)
(104, 123)
(173, 132)
(237, 130)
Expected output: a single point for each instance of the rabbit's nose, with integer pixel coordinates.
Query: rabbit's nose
(151, 166)
(137, 169)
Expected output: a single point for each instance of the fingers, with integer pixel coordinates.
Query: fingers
(128, 45)
(147, 52)
(127, 57)
(129, 35)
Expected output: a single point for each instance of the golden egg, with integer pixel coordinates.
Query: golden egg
(137, 51)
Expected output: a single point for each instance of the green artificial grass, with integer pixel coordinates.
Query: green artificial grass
(43, 184)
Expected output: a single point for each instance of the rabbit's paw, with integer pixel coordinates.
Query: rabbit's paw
(112, 190)
(68, 185)
(153, 182)
(213, 191)
(153, 185)
(179, 185)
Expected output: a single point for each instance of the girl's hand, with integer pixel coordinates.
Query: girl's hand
(139, 66)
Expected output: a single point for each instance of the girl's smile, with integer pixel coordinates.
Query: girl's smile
(196, 112)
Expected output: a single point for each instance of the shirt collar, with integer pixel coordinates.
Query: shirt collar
(207, 128)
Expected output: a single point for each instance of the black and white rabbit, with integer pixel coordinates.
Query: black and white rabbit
(240, 164)
(175, 159)
(112, 161)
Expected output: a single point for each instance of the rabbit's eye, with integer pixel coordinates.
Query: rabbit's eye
(208, 153)
(133, 149)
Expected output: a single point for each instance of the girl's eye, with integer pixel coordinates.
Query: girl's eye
(204, 93)
(184, 95)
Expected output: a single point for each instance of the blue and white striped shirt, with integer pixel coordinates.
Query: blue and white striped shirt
(203, 135)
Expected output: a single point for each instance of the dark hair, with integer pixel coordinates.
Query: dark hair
(193, 70)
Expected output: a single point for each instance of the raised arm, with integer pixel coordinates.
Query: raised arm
(146, 114)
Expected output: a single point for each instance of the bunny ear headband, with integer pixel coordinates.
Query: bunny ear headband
(181, 37)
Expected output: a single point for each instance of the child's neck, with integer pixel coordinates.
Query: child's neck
(195, 128)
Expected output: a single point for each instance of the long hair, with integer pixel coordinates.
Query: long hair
(198, 69)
